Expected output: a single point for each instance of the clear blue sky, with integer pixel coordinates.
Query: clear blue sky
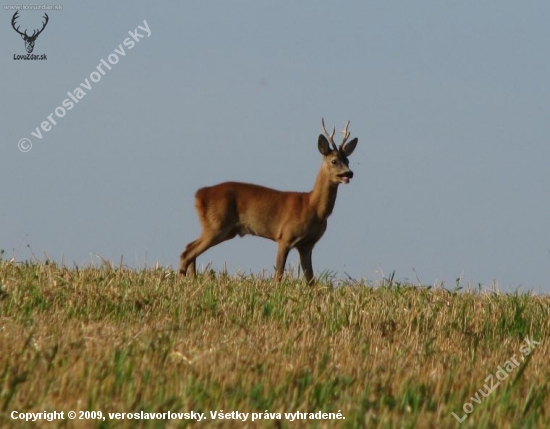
(449, 100)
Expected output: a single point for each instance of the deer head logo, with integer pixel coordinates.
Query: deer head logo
(29, 40)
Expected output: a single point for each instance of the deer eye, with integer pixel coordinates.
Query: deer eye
(334, 162)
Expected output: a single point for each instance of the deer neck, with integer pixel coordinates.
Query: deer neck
(323, 196)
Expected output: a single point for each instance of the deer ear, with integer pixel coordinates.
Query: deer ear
(350, 147)
(323, 145)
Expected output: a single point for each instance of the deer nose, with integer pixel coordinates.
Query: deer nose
(348, 174)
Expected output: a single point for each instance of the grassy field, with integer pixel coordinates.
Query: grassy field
(115, 340)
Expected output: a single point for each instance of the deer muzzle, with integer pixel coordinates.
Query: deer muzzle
(346, 176)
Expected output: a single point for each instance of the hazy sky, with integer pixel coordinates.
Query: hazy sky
(450, 102)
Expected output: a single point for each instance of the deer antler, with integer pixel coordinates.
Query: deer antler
(329, 136)
(34, 34)
(13, 24)
(346, 134)
(43, 26)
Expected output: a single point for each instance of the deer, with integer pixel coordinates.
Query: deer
(29, 40)
(294, 220)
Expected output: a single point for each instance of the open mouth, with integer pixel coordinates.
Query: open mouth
(346, 177)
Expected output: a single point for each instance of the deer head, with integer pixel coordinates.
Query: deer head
(336, 162)
(29, 40)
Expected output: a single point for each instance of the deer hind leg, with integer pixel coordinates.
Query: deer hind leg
(198, 247)
(185, 263)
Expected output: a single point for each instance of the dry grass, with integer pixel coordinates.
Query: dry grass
(112, 339)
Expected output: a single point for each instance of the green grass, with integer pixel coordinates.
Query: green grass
(112, 339)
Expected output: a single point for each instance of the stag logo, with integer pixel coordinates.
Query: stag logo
(29, 40)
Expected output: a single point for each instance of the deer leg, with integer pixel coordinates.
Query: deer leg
(199, 246)
(282, 254)
(305, 262)
(192, 267)
(184, 261)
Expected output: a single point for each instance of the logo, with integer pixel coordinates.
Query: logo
(29, 40)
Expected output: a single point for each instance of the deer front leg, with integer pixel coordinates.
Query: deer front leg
(305, 262)
(282, 254)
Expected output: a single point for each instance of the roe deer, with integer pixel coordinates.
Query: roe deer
(292, 219)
